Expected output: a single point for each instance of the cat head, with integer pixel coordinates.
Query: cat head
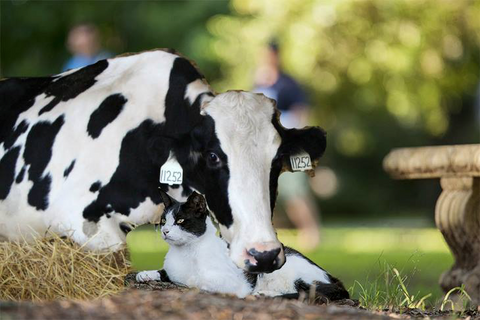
(182, 223)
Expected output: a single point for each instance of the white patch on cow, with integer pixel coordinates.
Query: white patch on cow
(146, 212)
(196, 88)
(243, 123)
(109, 236)
(177, 193)
(195, 156)
(282, 281)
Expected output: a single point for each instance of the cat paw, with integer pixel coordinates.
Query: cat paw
(149, 275)
(265, 293)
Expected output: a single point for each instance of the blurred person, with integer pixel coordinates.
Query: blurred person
(84, 43)
(294, 194)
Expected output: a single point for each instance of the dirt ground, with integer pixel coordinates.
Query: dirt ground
(157, 300)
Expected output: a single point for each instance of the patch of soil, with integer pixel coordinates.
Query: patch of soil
(159, 300)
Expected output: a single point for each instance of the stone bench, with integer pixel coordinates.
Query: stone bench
(457, 211)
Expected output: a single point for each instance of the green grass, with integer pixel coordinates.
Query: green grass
(364, 256)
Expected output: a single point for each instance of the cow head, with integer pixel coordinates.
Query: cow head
(239, 150)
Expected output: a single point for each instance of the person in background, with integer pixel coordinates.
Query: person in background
(294, 193)
(84, 44)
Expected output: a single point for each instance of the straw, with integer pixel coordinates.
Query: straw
(52, 268)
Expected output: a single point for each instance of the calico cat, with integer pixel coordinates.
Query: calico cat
(199, 258)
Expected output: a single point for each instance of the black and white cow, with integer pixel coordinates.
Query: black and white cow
(81, 154)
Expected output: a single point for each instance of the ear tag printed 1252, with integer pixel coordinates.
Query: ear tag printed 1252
(301, 162)
(171, 172)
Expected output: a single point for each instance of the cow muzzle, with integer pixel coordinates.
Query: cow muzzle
(264, 257)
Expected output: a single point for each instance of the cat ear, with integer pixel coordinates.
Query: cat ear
(166, 199)
(196, 204)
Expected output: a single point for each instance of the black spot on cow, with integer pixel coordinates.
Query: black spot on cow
(37, 154)
(70, 86)
(146, 148)
(69, 169)
(49, 106)
(211, 180)
(7, 171)
(16, 96)
(180, 116)
(12, 138)
(108, 110)
(275, 171)
(20, 175)
(95, 186)
(135, 178)
(38, 195)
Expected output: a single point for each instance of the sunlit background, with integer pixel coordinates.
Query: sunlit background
(379, 74)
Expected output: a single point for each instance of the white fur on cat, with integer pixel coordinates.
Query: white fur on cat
(203, 262)
(199, 262)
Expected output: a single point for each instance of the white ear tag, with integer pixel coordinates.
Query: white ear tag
(171, 172)
(301, 162)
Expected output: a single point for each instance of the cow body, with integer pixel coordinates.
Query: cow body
(81, 154)
(77, 161)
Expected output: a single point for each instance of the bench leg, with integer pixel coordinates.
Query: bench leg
(457, 215)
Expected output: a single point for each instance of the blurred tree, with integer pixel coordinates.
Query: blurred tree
(33, 33)
(381, 74)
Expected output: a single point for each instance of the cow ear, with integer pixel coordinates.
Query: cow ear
(166, 199)
(311, 140)
(196, 205)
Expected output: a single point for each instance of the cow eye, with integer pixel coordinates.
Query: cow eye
(213, 158)
(180, 221)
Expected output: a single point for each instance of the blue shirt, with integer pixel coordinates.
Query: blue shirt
(79, 61)
(287, 92)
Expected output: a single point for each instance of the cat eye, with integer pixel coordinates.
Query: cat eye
(163, 221)
(179, 221)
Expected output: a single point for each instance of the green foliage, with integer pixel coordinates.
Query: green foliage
(380, 75)
(409, 58)
(392, 294)
(34, 32)
(463, 296)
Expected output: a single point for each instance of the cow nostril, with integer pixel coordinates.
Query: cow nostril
(264, 254)
(266, 261)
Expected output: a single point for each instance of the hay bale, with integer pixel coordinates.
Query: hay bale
(53, 268)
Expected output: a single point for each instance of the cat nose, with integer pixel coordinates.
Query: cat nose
(165, 232)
